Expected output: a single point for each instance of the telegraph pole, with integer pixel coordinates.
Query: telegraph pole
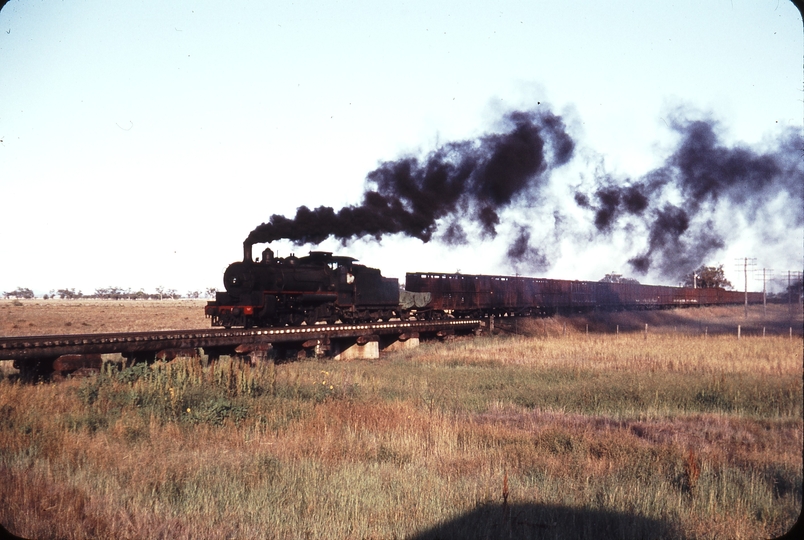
(766, 276)
(790, 276)
(746, 262)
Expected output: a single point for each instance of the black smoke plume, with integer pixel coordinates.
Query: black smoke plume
(675, 203)
(524, 253)
(465, 181)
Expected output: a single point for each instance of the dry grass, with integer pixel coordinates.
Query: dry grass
(606, 435)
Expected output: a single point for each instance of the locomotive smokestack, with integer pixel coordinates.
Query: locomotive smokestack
(247, 251)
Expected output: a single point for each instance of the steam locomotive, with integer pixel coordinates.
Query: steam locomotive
(274, 291)
(294, 290)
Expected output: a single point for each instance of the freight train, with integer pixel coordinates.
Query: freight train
(322, 287)
(478, 295)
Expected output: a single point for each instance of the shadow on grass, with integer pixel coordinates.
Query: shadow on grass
(548, 521)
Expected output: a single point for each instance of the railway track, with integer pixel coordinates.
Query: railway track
(69, 352)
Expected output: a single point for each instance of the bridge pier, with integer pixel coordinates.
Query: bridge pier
(360, 348)
(392, 343)
(214, 353)
(36, 370)
(254, 352)
(166, 355)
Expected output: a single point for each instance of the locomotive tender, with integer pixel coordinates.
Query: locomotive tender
(293, 290)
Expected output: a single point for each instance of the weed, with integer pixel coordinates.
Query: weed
(692, 471)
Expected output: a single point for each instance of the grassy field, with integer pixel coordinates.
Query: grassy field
(677, 434)
(39, 317)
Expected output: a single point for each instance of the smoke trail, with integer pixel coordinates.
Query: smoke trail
(706, 176)
(471, 180)
(522, 252)
(462, 187)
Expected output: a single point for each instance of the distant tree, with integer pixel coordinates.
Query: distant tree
(113, 293)
(707, 277)
(618, 278)
(18, 293)
(163, 293)
(210, 292)
(69, 294)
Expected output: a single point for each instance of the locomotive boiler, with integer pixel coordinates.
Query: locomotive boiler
(279, 291)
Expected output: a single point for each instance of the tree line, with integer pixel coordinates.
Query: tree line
(111, 293)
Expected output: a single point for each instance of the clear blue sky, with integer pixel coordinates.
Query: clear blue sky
(142, 141)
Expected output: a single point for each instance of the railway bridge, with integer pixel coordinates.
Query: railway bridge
(38, 356)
